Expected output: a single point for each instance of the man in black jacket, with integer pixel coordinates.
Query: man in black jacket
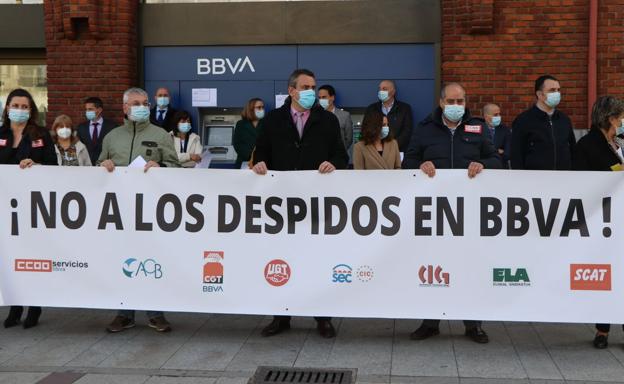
(451, 138)
(92, 132)
(500, 134)
(162, 114)
(542, 137)
(399, 114)
(300, 135)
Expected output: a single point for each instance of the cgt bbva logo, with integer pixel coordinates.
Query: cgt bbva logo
(219, 66)
(213, 271)
(147, 268)
(433, 277)
(342, 273)
(590, 277)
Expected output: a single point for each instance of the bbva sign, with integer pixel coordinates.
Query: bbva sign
(219, 66)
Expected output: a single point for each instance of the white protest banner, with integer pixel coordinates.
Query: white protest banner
(526, 246)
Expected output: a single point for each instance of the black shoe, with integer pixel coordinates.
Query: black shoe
(478, 335)
(601, 341)
(15, 315)
(424, 332)
(276, 326)
(325, 329)
(32, 318)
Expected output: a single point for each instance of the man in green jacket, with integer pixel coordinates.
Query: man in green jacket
(137, 137)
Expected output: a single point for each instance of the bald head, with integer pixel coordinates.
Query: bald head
(388, 86)
(452, 94)
(491, 109)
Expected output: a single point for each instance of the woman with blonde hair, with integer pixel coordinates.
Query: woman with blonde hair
(69, 149)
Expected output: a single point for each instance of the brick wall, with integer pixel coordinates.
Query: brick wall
(611, 47)
(91, 51)
(497, 48)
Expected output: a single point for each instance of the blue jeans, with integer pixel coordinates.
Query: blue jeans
(129, 313)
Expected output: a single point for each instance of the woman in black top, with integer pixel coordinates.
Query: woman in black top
(24, 142)
(601, 150)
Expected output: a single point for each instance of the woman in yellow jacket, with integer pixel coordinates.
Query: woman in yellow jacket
(377, 149)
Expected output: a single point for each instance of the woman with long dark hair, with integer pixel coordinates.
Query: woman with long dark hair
(26, 143)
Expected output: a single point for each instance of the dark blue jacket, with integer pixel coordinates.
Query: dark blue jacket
(542, 142)
(501, 140)
(432, 141)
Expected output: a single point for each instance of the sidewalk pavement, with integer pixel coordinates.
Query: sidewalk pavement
(72, 346)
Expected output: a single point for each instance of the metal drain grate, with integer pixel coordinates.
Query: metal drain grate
(276, 375)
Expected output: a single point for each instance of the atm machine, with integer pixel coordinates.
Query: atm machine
(216, 130)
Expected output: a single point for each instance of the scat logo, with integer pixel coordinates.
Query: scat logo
(147, 268)
(590, 277)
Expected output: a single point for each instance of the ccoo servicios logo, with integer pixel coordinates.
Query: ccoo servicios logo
(148, 268)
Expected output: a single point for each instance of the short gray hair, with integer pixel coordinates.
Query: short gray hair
(389, 81)
(487, 107)
(292, 79)
(133, 91)
(605, 108)
(445, 86)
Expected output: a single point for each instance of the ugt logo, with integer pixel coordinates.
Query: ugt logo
(147, 268)
(433, 277)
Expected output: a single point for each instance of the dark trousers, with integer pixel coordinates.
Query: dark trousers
(287, 318)
(604, 327)
(436, 323)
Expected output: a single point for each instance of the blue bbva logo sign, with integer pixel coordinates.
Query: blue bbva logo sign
(342, 273)
(146, 268)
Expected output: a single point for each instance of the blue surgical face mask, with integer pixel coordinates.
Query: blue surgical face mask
(383, 96)
(307, 98)
(259, 113)
(139, 113)
(162, 101)
(553, 99)
(324, 103)
(385, 130)
(620, 130)
(184, 127)
(454, 112)
(19, 115)
(90, 115)
(496, 120)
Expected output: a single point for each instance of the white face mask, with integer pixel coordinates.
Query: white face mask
(64, 133)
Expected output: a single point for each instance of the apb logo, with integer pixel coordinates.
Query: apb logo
(433, 277)
(147, 268)
(33, 265)
(342, 273)
(277, 272)
(504, 277)
(213, 267)
(590, 277)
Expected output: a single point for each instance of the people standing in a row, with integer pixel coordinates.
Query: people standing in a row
(23, 141)
(451, 138)
(399, 114)
(92, 132)
(542, 137)
(499, 133)
(377, 148)
(69, 149)
(300, 135)
(187, 144)
(327, 100)
(162, 113)
(247, 130)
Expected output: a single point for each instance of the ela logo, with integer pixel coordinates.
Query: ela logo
(504, 277)
(147, 268)
(590, 277)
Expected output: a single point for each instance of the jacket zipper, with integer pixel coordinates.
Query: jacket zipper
(552, 132)
(132, 143)
(452, 148)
